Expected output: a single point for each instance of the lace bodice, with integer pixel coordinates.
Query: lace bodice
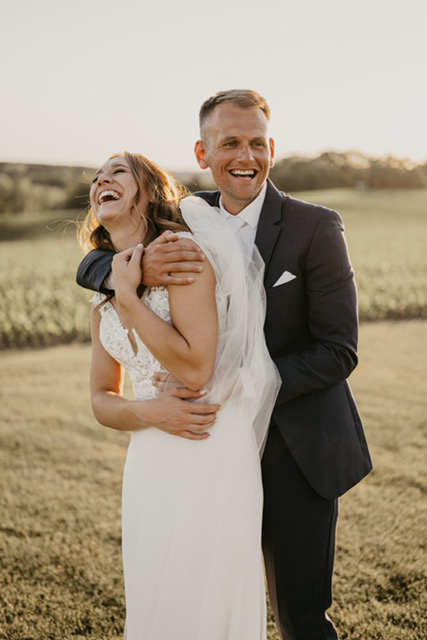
(142, 365)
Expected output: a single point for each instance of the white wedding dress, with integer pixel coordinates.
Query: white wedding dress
(192, 509)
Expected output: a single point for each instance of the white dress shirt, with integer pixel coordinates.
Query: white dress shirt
(246, 222)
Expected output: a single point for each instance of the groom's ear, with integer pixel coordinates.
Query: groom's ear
(200, 153)
(272, 148)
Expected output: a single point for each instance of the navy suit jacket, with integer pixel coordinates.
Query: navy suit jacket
(311, 331)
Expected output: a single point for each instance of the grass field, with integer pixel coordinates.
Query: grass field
(387, 236)
(60, 485)
(42, 305)
(41, 302)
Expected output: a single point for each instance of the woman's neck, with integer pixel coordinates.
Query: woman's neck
(123, 238)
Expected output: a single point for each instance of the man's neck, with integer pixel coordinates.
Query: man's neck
(234, 207)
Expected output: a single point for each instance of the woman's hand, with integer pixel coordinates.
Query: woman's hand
(127, 271)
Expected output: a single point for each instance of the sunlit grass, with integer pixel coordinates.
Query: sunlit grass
(60, 493)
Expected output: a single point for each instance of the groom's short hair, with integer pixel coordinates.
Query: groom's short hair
(243, 98)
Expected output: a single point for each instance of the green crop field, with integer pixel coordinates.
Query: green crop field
(42, 305)
(387, 237)
(60, 493)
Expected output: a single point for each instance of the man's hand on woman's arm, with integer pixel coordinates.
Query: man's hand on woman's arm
(171, 411)
(170, 253)
(167, 253)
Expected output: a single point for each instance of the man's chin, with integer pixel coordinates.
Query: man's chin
(245, 194)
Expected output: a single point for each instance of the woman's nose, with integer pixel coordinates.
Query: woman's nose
(103, 178)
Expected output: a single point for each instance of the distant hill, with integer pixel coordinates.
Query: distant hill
(35, 187)
(351, 169)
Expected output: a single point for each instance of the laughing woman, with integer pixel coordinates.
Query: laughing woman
(192, 505)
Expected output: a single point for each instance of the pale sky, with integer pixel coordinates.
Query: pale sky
(83, 79)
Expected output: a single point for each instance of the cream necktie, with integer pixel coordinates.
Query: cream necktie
(244, 232)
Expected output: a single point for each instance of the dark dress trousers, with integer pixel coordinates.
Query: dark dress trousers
(316, 449)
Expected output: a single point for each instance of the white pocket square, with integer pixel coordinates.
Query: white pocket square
(286, 276)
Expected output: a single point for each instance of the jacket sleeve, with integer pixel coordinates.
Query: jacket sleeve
(93, 270)
(331, 301)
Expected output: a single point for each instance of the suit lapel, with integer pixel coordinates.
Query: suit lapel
(268, 225)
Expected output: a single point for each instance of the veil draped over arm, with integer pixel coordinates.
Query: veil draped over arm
(244, 376)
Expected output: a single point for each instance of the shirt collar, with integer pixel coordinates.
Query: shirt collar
(251, 213)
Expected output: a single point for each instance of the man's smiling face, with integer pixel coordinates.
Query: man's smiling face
(238, 151)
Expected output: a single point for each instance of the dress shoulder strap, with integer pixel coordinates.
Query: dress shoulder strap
(97, 299)
(188, 234)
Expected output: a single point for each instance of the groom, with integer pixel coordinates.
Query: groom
(316, 449)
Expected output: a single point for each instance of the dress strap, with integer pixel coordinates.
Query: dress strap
(188, 234)
(97, 299)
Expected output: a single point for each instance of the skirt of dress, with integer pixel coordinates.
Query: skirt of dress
(192, 535)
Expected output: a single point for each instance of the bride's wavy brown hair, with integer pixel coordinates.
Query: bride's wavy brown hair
(163, 211)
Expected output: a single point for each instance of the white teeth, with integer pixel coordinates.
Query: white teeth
(242, 172)
(104, 194)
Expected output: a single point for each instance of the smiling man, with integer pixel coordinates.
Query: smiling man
(235, 145)
(316, 449)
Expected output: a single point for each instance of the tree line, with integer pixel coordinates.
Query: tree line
(37, 187)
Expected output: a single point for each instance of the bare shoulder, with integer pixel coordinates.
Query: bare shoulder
(203, 278)
(95, 315)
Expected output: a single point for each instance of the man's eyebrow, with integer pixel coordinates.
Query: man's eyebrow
(235, 137)
(228, 138)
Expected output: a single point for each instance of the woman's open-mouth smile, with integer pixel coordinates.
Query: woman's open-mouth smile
(108, 195)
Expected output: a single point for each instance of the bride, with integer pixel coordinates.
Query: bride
(192, 505)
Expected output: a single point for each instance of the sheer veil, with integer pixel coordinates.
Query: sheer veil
(245, 376)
